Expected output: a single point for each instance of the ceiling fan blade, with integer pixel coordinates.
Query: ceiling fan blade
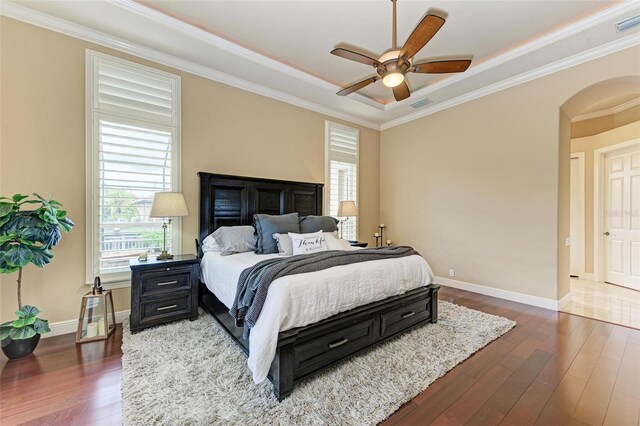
(357, 86)
(401, 91)
(355, 56)
(425, 30)
(442, 67)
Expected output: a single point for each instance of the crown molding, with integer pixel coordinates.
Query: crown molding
(610, 111)
(482, 65)
(524, 49)
(33, 17)
(233, 48)
(52, 23)
(577, 59)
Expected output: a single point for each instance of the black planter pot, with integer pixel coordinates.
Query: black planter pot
(15, 349)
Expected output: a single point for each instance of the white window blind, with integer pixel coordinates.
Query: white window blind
(133, 152)
(342, 144)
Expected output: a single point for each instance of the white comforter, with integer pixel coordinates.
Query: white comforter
(298, 300)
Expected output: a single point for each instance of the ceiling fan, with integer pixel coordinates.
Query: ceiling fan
(393, 66)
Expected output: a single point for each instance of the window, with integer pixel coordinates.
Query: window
(341, 156)
(133, 151)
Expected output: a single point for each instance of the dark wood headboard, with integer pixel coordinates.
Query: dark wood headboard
(233, 200)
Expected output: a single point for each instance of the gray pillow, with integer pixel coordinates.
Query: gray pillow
(310, 224)
(235, 239)
(266, 225)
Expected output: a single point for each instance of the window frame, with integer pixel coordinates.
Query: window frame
(327, 170)
(92, 116)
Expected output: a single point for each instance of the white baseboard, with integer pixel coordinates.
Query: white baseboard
(589, 276)
(564, 301)
(71, 326)
(527, 299)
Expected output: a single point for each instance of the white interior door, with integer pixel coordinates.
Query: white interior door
(576, 224)
(622, 218)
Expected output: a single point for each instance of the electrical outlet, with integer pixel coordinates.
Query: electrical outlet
(452, 272)
(567, 241)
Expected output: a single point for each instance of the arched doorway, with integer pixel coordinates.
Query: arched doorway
(599, 200)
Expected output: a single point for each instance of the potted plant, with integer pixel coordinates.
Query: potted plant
(27, 236)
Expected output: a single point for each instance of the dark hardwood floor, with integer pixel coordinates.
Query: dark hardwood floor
(552, 369)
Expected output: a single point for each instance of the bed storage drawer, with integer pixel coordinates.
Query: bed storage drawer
(165, 281)
(399, 319)
(337, 344)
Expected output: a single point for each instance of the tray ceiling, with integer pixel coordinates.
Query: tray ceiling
(303, 33)
(281, 48)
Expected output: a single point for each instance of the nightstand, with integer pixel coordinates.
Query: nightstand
(357, 244)
(163, 291)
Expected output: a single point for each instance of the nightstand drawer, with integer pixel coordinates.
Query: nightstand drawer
(168, 280)
(165, 309)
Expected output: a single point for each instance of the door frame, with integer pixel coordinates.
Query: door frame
(581, 215)
(598, 203)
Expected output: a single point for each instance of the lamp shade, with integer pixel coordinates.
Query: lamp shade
(168, 204)
(347, 208)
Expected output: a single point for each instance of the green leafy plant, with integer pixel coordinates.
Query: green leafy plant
(27, 236)
(26, 326)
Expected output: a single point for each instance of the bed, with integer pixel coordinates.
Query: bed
(296, 353)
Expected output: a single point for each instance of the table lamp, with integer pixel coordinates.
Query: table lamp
(167, 205)
(346, 209)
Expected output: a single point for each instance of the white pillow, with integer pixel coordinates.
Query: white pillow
(308, 243)
(335, 243)
(285, 245)
(210, 244)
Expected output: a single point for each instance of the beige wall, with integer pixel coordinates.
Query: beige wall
(563, 230)
(475, 188)
(591, 127)
(588, 145)
(224, 130)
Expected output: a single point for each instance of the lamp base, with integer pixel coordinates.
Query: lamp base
(164, 256)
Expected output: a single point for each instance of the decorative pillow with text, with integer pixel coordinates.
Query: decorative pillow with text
(308, 243)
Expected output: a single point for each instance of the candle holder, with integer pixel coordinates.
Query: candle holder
(378, 239)
(381, 228)
(97, 317)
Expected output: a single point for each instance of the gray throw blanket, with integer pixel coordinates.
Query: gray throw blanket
(254, 282)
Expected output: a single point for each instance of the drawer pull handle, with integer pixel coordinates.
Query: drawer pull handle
(337, 343)
(167, 307)
(408, 314)
(168, 283)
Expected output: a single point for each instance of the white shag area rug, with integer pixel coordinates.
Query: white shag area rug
(193, 373)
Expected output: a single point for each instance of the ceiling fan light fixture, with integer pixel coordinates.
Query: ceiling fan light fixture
(393, 79)
(393, 55)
